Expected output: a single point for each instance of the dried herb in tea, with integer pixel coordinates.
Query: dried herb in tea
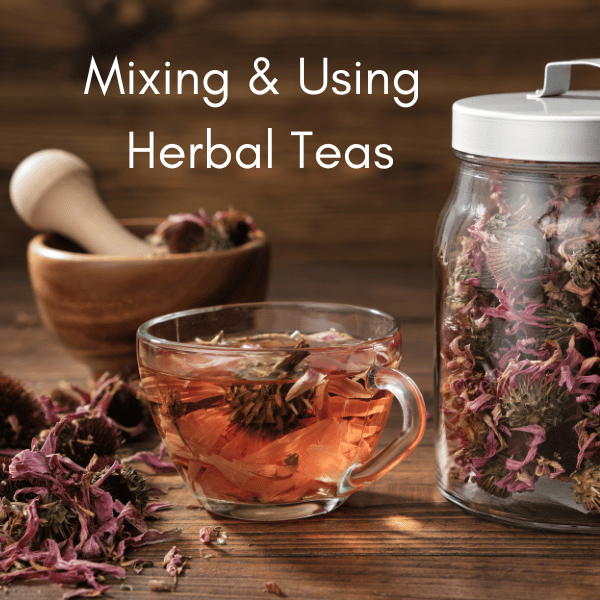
(276, 422)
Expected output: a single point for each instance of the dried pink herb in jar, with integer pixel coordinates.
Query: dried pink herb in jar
(518, 312)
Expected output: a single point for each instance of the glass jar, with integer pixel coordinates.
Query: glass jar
(518, 311)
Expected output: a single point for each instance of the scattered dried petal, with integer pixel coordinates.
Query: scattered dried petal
(173, 562)
(207, 534)
(272, 588)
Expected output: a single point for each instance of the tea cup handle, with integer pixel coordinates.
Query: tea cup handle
(413, 426)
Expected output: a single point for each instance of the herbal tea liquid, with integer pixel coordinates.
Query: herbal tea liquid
(241, 440)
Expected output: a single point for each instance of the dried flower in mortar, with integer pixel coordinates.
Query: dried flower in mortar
(187, 232)
(61, 523)
(21, 418)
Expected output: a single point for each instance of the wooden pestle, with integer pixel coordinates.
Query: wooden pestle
(53, 190)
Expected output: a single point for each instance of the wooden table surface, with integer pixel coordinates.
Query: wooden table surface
(399, 538)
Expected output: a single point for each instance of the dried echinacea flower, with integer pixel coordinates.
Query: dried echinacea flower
(188, 232)
(123, 401)
(125, 484)
(268, 409)
(263, 409)
(491, 473)
(468, 331)
(21, 418)
(237, 225)
(115, 399)
(561, 321)
(519, 364)
(272, 588)
(57, 519)
(583, 264)
(586, 487)
(540, 402)
(62, 516)
(85, 438)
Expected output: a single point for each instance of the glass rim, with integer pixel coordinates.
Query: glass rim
(145, 336)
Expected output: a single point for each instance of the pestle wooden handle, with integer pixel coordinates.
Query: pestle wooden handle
(53, 190)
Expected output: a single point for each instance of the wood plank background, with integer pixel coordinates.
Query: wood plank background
(460, 48)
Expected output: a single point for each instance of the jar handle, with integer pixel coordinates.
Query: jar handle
(557, 77)
(413, 426)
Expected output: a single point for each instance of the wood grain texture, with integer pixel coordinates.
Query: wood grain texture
(398, 538)
(460, 49)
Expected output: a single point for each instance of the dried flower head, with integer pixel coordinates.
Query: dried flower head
(583, 264)
(497, 222)
(236, 225)
(561, 319)
(459, 290)
(83, 438)
(586, 487)
(263, 409)
(539, 402)
(471, 332)
(491, 473)
(516, 256)
(21, 418)
(172, 408)
(268, 409)
(56, 519)
(125, 484)
(182, 233)
(126, 404)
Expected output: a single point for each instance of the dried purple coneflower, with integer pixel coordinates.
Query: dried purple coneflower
(516, 257)
(492, 472)
(538, 402)
(582, 262)
(86, 438)
(562, 319)
(21, 418)
(237, 225)
(188, 232)
(267, 409)
(63, 516)
(586, 486)
(125, 484)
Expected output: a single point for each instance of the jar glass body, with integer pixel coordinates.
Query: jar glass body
(517, 372)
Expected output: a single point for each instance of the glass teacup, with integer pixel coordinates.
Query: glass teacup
(273, 411)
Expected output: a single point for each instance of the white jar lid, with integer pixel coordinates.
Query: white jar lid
(550, 125)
